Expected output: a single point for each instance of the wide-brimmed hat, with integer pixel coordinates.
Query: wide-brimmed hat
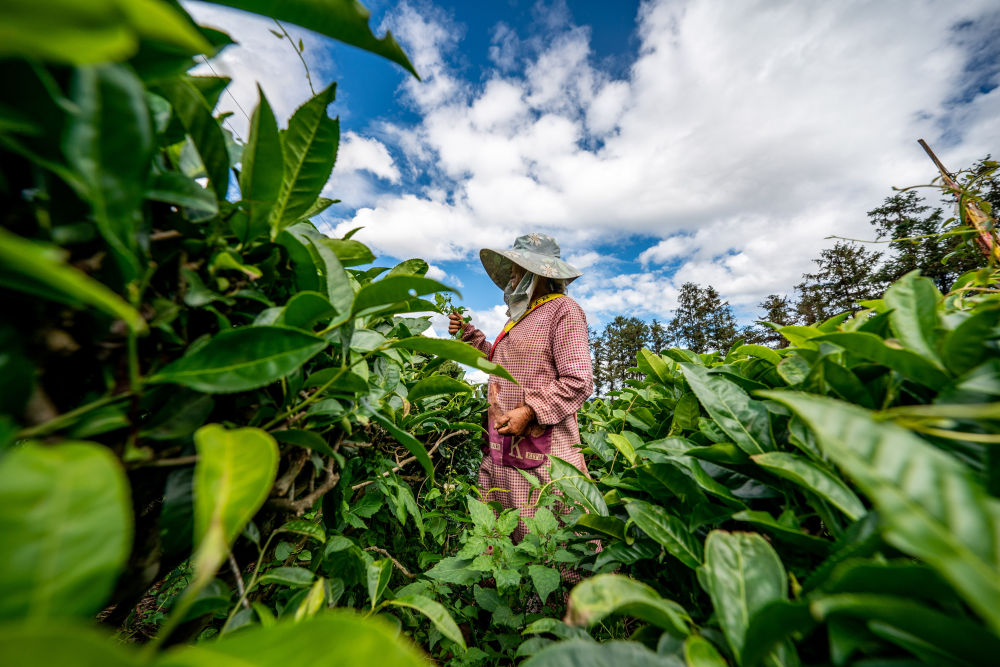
(536, 253)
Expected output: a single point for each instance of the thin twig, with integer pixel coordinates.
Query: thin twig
(299, 54)
(165, 235)
(239, 580)
(407, 461)
(399, 566)
(166, 463)
(301, 505)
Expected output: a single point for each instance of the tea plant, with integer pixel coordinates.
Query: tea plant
(830, 502)
(203, 397)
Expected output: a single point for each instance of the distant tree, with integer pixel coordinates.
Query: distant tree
(914, 229)
(597, 346)
(776, 309)
(702, 320)
(614, 351)
(847, 274)
(659, 339)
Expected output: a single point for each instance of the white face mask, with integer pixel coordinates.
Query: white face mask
(517, 297)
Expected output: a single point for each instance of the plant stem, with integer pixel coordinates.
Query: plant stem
(68, 418)
(316, 394)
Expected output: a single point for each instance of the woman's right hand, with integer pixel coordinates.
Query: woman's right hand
(454, 323)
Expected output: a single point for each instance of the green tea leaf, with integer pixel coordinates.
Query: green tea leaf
(742, 574)
(588, 653)
(235, 471)
(309, 146)
(905, 362)
(394, 289)
(608, 525)
(378, 574)
(743, 419)
(297, 577)
(666, 529)
(332, 635)
(82, 33)
(195, 114)
(455, 350)
(303, 527)
(599, 596)
(914, 316)
(341, 19)
(308, 439)
(773, 625)
(109, 141)
(339, 289)
(63, 643)
(305, 310)
(810, 476)
(623, 445)
(436, 385)
(66, 526)
(350, 252)
(242, 359)
(263, 168)
(759, 351)
(27, 265)
(931, 506)
(651, 363)
(967, 346)
(949, 636)
(699, 652)
(436, 612)
(175, 188)
(576, 485)
(414, 446)
(784, 533)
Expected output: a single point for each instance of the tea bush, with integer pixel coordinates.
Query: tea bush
(202, 398)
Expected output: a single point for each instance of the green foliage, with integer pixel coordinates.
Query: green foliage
(244, 396)
(66, 529)
(830, 501)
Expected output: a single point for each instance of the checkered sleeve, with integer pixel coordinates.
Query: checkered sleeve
(574, 382)
(475, 338)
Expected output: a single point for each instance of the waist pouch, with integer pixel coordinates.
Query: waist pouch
(523, 451)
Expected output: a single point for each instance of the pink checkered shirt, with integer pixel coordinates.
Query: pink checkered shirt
(549, 354)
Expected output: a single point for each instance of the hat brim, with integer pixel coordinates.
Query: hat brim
(498, 264)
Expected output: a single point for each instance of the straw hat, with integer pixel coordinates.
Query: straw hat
(536, 253)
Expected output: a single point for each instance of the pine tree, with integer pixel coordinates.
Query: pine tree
(905, 218)
(847, 274)
(777, 310)
(614, 351)
(597, 345)
(702, 321)
(659, 339)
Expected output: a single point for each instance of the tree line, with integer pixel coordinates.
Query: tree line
(846, 275)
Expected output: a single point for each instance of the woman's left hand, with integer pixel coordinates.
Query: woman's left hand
(516, 421)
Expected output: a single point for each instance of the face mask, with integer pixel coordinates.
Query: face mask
(517, 297)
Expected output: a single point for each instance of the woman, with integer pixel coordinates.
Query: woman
(545, 347)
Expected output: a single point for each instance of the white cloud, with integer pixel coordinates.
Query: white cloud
(667, 249)
(358, 153)
(741, 136)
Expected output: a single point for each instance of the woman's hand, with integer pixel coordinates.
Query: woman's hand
(454, 323)
(516, 421)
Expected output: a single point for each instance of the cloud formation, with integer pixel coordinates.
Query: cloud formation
(741, 136)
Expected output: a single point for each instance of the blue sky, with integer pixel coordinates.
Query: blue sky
(660, 142)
